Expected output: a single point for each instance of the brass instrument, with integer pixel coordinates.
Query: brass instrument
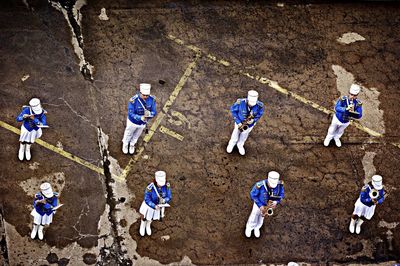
(246, 122)
(374, 194)
(270, 211)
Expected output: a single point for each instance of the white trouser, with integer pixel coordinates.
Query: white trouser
(360, 209)
(336, 129)
(255, 220)
(132, 132)
(239, 138)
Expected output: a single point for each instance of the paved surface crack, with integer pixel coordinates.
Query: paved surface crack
(71, 12)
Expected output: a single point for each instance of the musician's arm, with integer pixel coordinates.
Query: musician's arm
(364, 196)
(340, 106)
(255, 191)
(132, 112)
(235, 113)
(169, 194)
(359, 111)
(381, 196)
(258, 115)
(20, 117)
(148, 200)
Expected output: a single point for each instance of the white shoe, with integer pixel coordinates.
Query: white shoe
(327, 141)
(358, 226)
(241, 150)
(352, 224)
(28, 152)
(257, 232)
(34, 231)
(247, 232)
(142, 228)
(21, 152)
(338, 143)
(229, 149)
(40, 232)
(125, 148)
(131, 148)
(148, 228)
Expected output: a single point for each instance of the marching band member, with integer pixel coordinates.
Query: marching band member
(44, 203)
(266, 195)
(246, 113)
(347, 108)
(33, 118)
(141, 108)
(157, 193)
(371, 195)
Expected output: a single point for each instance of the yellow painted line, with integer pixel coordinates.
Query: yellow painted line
(162, 114)
(171, 133)
(57, 150)
(274, 85)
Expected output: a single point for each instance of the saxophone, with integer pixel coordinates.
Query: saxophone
(246, 122)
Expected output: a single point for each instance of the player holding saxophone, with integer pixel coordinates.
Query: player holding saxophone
(266, 195)
(246, 112)
(371, 195)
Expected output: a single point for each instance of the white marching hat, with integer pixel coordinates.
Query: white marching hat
(355, 89)
(377, 182)
(35, 106)
(252, 97)
(161, 178)
(46, 190)
(273, 179)
(145, 88)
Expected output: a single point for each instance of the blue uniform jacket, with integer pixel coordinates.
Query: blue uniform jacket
(136, 110)
(47, 208)
(150, 195)
(240, 110)
(366, 199)
(261, 193)
(342, 114)
(30, 124)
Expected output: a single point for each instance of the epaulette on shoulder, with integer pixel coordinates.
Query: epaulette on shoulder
(38, 195)
(238, 101)
(259, 184)
(261, 104)
(343, 98)
(365, 187)
(281, 182)
(150, 187)
(168, 184)
(56, 194)
(133, 98)
(359, 102)
(154, 97)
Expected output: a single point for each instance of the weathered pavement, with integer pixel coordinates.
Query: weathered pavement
(199, 60)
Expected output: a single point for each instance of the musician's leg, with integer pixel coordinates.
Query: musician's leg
(253, 220)
(242, 139)
(127, 136)
(331, 131)
(234, 139)
(21, 151)
(340, 130)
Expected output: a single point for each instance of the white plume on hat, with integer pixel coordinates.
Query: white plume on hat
(377, 182)
(161, 178)
(145, 88)
(35, 106)
(252, 97)
(355, 89)
(273, 179)
(46, 190)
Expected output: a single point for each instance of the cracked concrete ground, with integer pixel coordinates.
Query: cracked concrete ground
(295, 45)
